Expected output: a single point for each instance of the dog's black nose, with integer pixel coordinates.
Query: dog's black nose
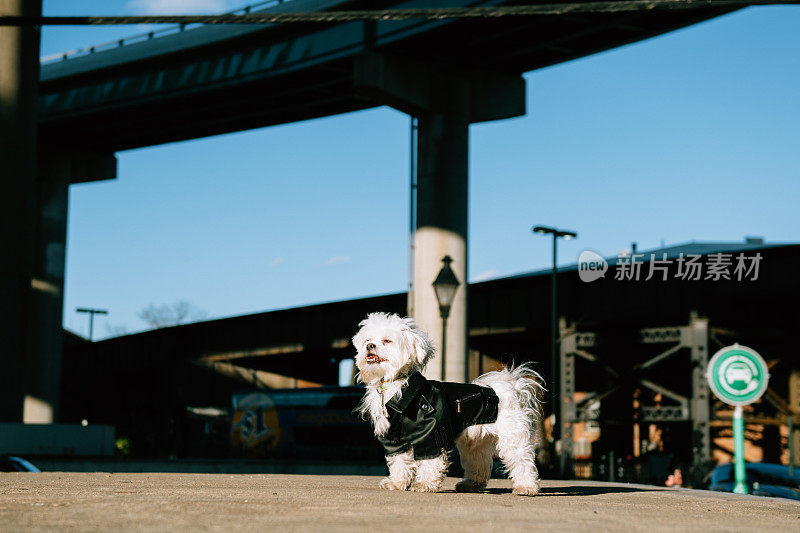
(370, 346)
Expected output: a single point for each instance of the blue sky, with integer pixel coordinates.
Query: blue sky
(688, 136)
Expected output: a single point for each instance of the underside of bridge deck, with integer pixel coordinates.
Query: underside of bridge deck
(201, 84)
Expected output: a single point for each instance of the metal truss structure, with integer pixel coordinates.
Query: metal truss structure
(692, 338)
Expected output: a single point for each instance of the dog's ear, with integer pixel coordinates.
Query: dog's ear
(420, 344)
(358, 340)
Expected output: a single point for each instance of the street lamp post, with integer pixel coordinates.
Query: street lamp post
(91, 313)
(566, 235)
(445, 286)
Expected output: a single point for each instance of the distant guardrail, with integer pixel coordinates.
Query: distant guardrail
(139, 37)
(244, 15)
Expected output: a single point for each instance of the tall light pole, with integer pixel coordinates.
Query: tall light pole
(445, 285)
(554, 381)
(91, 312)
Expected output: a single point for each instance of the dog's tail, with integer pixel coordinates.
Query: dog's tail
(516, 386)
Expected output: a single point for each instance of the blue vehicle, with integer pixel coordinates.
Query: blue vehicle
(9, 463)
(763, 479)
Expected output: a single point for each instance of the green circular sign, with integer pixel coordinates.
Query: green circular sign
(737, 375)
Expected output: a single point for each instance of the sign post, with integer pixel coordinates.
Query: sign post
(738, 376)
(738, 451)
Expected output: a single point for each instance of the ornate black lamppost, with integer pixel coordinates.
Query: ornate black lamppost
(445, 285)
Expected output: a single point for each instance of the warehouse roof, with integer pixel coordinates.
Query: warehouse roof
(672, 252)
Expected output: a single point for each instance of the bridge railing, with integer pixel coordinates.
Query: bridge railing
(139, 37)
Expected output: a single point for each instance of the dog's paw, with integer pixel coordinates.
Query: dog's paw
(388, 483)
(526, 490)
(425, 486)
(468, 485)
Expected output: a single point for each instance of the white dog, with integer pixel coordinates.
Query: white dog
(417, 420)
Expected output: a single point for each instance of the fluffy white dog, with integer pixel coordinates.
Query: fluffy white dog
(417, 420)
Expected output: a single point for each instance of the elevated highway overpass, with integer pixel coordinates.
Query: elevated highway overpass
(214, 80)
(220, 79)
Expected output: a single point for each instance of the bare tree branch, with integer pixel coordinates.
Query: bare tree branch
(167, 315)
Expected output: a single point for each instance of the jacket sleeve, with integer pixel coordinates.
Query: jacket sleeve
(393, 446)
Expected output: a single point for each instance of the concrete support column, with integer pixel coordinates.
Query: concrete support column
(445, 101)
(43, 364)
(19, 74)
(442, 187)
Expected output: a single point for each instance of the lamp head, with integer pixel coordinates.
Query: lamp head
(543, 230)
(445, 286)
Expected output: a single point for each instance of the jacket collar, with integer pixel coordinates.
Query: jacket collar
(416, 382)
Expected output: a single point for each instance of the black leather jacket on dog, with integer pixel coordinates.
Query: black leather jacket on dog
(428, 415)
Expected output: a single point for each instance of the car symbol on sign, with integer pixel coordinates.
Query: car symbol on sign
(738, 373)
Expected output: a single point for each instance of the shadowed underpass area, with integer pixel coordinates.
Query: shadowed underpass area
(250, 502)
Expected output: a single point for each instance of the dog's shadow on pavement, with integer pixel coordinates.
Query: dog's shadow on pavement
(576, 490)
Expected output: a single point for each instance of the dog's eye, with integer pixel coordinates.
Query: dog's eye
(387, 341)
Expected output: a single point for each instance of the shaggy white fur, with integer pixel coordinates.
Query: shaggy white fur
(390, 348)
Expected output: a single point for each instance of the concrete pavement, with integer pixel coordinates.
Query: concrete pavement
(275, 502)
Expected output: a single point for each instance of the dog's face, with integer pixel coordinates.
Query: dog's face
(390, 346)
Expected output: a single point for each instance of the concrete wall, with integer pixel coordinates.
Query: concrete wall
(56, 439)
